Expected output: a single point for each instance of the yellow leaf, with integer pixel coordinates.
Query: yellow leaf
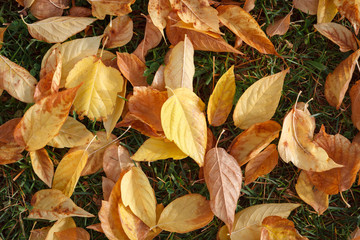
(96, 98)
(136, 192)
(101, 8)
(186, 214)
(351, 10)
(259, 102)
(220, 102)
(58, 29)
(180, 70)
(60, 225)
(155, 149)
(72, 134)
(248, 221)
(44, 119)
(42, 165)
(278, 228)
(119, 32)
(16, 80)
(133, 226)
(326, 11)
(184, 123)
(68, 171)
(52, 204)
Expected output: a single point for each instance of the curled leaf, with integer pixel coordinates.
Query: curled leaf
(119, 32)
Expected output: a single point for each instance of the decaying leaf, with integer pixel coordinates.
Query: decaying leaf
(296, 143)
(132, 68)
(10, 151)
(42, 9)
(310, 194)
(39, 234)
(76, 11)
(261, 164)
(351, 10)
(2, 31)
(243, 25)
(42, 165)
(43, 121)
(280, 26)
(119, 32)
(101, 8)
(326, 11)
(132, 225)
(259, 102)
(156, 149)
(158, 12)
(278, 228)
(184, 122)
(185, 214)
(307, 6)
(73, 234)
(338, 81)
(58, 29)
(338, 34)
(250, 142)
(221, 100)
(116, 160)
(52, 204)
(16, 80)
(355, 104)
(224, 179)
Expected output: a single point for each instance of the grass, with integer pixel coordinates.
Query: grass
(311, 58)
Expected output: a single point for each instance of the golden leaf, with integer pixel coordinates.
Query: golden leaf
(351, 10)
(59, 225)
(101, 8)
(278, 228)
(42, 165)
(326, 11)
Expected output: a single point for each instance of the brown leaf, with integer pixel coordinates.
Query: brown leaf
(338, 34)
(243, 25)
(311, 194)
(132, 68)
(159, 81)
(80, 12)
(355, 235)
(42, 9)
(73, 234)
(52, 204)
(343, 152)
(250, 142)
(307, 6)
(278, 228)
(2, 31)
(351, 10)
(158, 12)
(39, 234)
(96, 227)
(338, 81)
(116, 160)
(355, 104)
(261, 164)
(249, 5)
(10, 151)
(42, 165)
(119, 32)
(101, 8)
(224, 179)
(211, 140)
(280, 26)
(107, 187)
(60, 225)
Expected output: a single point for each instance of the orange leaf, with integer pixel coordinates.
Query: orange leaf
(355, 104)
(279, 27)
(132, 68)
(73, 234)
(42, 165)
(119, 32)
(278, 228)
(351, 10)
(10, 151)
(101, 8)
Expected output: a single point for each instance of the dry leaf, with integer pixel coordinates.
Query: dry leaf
(43, 121)
(10, 151)
(338, 81)
(351, 10)
(296, 143)
(186, 214)
(2, 31)
(80, 12)
(111, 227)
(42, 9)
(42, 165)
(68, 171)
(243, 25)
(221, 100)
(184, 122)
(107, 187)
(118, 33)
(136, 192)
(52, 204)
(39, 234)
(278, 228)
(16, 80)
(344, 153)
(60, 225)
(96, 227)
(249, 5)
(159, 81)
(261, 164)
(326, 11)
(310, 194)
(355, 104)
(259, 102)
(73, 234)
(250, 142)
(116, 160)
(307, 6)
(156, 149)
(338, 34)
(58, 29)
(224, 179)
(158, 12)
(355, 235)
(132, 68)
(101, 8)
(97, 96)
(279, 27)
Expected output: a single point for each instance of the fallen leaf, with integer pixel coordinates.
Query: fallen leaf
(310, 194)
(307, 6)
(10, 151)
(296, 143)
(221, 100)
(96, 227)
(211, 140)
(249, 5)
(339, 35)
(326, 11)
(42, 165)
(97, 96)
(39, 234)
(351, 10)
(355, 235)
(337, 82)
(2, 31)
(73, 234)
(224, 179)
(184, 122)
(60, 225)
(116, 160)
(280, 26)
(80, 12)
(16, 80)
(132, 68)
(261, 164)
(278, 228)
(58, 29)
(137, 193)
(42, 9)
(132, 225)
(259, 102)
(156, 231)
(52, 204)
(101, 8)
(252, 141)
(158, 12)
(355, 103)
(186, 214)
(156, 149)
(119, 32)
(43, 121)
(107, 186)
(159, 81)
(243, 25)
(111, 226)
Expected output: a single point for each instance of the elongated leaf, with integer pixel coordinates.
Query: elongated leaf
(355, 104)
(326, 11)
(132, 68)
(2, 31)
(42, 165)
(184, 122)
(280, 26)
(119, 32)
(75, 233)
(159, 11)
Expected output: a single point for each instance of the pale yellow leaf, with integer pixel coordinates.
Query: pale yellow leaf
(159, 11)
(101, 8)
(134, 228)
(42, 165)
(119, 32)
(326, 11)
(184, 122)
